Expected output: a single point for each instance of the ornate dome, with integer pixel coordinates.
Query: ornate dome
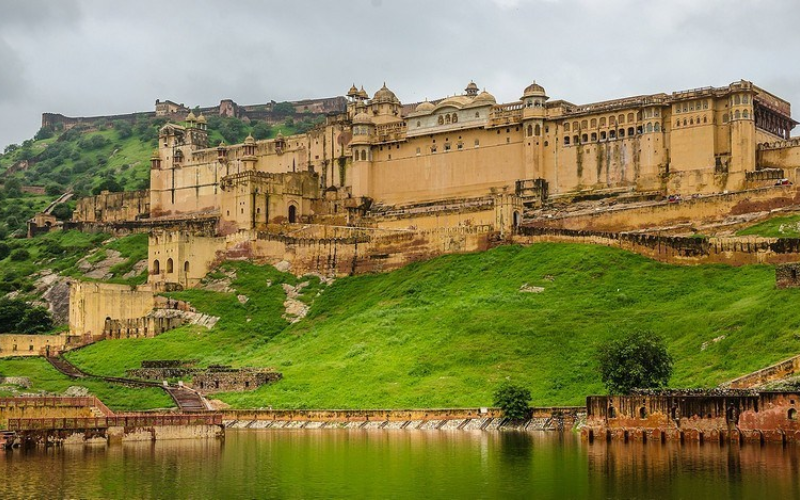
(190, 117)
(353, 91)
(362, 119)
(363, 93)
(249, 139)
(485, 98)
(472, 89)
(455, 101)
(385, 95)
(424, 107)
(533, 89)
(201, 119)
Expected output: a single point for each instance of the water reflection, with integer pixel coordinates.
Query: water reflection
(401, 464)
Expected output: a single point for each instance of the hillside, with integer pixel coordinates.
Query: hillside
(448, 331)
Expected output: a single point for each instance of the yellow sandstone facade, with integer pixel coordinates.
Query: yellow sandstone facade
(438, 173)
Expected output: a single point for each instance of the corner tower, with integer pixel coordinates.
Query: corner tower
(534, 102)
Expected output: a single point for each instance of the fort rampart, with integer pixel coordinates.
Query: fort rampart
(676, 249)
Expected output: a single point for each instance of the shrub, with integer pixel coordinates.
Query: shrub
(5, 250)
(637, 361)
(513, 400)
(43, 133)
(20, 254)
(35, 320)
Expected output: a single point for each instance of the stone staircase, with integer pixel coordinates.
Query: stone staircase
(186, 399)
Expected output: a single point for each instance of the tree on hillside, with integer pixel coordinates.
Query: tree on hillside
(513, 400)
(261, 130)
(637, 361)
(107, 184)
(283, 108)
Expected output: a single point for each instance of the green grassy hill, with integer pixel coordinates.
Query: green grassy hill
(448, 331)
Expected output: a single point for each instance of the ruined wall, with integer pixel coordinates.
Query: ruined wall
(91, 303)
(675, 249)
(233, 380)
(778, 371)
(146, 327)
(703, 417)
(108, 207)
(783, 155)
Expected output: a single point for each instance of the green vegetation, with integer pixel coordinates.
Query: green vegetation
(776, 227)
(447, 332)
(46, 378)
(637, 361)
(20, 317)
(513, 400)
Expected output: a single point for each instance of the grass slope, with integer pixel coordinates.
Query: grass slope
(448, 331)
(46, 378)
(776, 227)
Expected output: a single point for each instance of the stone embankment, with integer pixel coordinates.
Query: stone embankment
(470, 419)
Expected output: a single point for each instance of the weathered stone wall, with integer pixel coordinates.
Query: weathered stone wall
(12, 345)
(703, 209)
(146, 327)
(126, 206)
(778, 371)
(676, 249)
(710, 417)
(235, 380)
(788, 275)
(92, 303)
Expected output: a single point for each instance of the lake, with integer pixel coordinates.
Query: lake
(401, 464)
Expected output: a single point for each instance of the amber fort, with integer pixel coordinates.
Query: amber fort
(382, 183)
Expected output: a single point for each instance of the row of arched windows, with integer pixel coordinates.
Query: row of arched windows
(169, 268)
(688, 107)
(692, 120)
(603, 121)
(449, 118)
(612, 134)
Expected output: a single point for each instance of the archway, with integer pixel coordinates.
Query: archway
(169, 266)
(156, 267)
(517, 219)
(292, 214)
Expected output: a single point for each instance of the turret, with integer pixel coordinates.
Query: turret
(534, 101)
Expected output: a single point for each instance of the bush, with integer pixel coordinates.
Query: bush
(20, 255)
(43, 133)
(35, 320)
(123, 128)
(513, 400)
(5, 250)
(637, 361)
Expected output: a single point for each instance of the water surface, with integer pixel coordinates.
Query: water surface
(401, 464)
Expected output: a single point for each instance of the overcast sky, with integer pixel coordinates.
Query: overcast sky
(92, 57)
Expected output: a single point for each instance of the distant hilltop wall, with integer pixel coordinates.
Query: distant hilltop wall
(226, 107)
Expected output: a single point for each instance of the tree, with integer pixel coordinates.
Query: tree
(513, 400)
(44, 133)
(123, 128)
(110, 185)
(283, 108)
(637, 361)
(35, 320)
(261, 130)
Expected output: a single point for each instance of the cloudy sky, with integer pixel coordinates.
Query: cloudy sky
(91, 57)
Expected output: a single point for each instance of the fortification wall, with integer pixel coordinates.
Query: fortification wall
(778, 371)
(92, 303)
(784, 155)
(692, 210)
(675, 249)
(13, 345)
(126, 206)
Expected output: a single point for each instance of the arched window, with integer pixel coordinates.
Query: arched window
(725, 118)
(630, 117)
(602, 136)
(612, 134)
(745, 99)
(517, 219)
(537, 130)
(737, 115)
(792, 414)
(691, 121)
(621, 119)
(621, 133)
(566, 126)
(530, 130)
(441, 120)
(657, 127)
(746, 114)
(642, 412)
(574, 126)
(612, 121)
(603, 121)
(705, 119)
(169, 266)
(156, 267)
(566, 140)
(447, 119)
(630, 131)
(584, 124)
(363, 155)
(737, 100)
(477, 143)
(594, 136)
(612, 412)
(292, 214)
(186, 266)
(685, 122)
(593, 123)
(638, 115)
(649, 127)
(677, 123)
(455, 118)
(705, 104)
(584, 138)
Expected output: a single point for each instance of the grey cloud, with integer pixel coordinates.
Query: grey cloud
(104, 57)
